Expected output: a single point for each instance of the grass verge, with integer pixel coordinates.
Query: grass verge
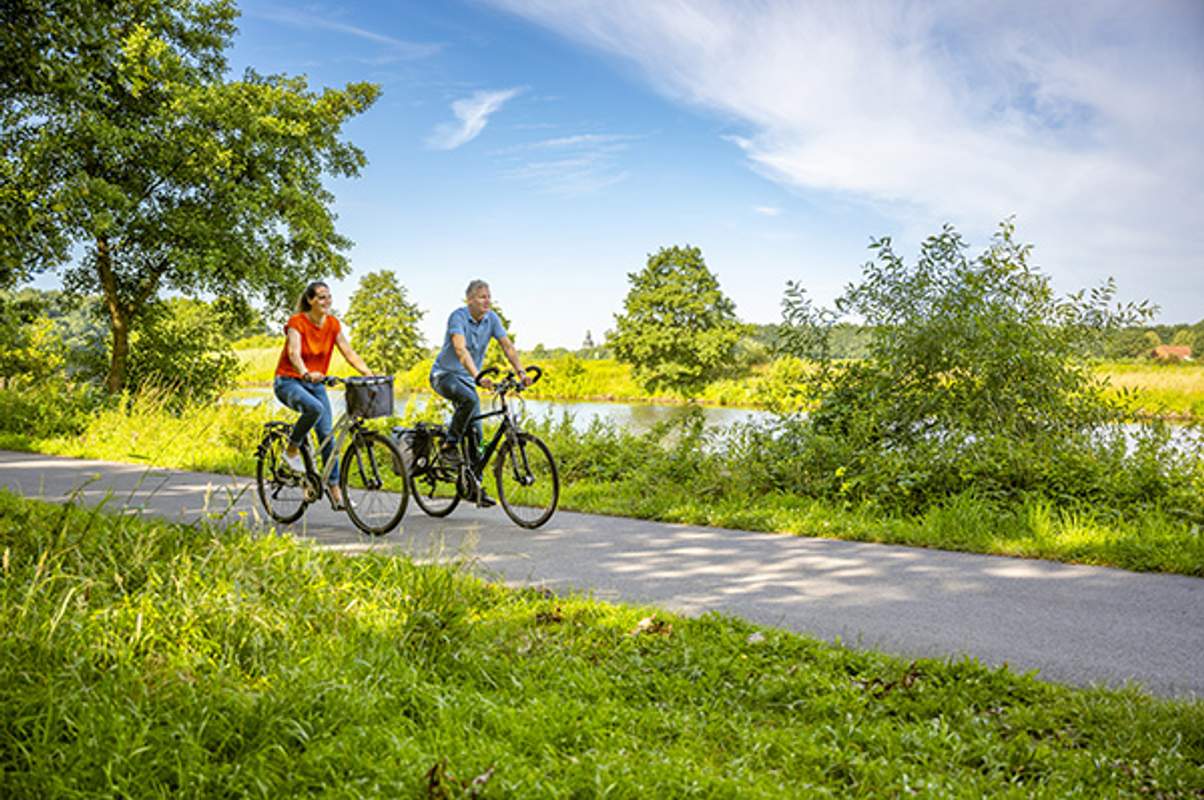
(142, 659)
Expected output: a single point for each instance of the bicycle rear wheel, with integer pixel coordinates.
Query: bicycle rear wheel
(432, 484)
(374, 483)
(528, 484)
(281, 490)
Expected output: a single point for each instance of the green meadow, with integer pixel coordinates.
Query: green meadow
(146, 659)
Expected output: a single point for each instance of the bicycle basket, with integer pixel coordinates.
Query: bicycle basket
(370, 397)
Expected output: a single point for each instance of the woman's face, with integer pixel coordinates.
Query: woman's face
(321, 300)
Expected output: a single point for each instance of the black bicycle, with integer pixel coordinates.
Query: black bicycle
(528, 485)
(372, 475)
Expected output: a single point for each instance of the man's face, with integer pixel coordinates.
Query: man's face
(479, 302)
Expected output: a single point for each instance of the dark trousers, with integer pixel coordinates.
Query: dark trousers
(463, 393)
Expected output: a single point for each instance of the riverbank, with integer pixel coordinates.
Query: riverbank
(1162, 391)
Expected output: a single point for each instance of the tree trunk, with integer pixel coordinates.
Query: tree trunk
(118, 318)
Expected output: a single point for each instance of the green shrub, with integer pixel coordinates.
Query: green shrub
(180, 348)
(974, 381)
(48, 407)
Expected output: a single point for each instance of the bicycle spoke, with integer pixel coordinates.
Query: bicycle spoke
(282, 495)
(374, 483)
(527, 481)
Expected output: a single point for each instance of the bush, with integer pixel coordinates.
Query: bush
(47, 408)
(180, 349)
(974, 381)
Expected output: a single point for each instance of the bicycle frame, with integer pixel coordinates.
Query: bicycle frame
(477, 461)
(344, 426)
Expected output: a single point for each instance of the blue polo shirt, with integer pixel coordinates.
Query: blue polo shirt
(476, 336)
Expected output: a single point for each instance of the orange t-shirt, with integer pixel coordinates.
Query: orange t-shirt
(317, 343)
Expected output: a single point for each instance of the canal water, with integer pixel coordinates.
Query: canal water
(634, 417)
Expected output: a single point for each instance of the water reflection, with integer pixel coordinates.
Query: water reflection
(634, 417)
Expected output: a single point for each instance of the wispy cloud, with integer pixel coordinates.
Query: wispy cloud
(768, 211)
(1083, 120)
(472, 113)
(570, 165)
(394, 49)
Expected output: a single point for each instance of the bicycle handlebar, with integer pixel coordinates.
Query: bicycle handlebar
(510, 382)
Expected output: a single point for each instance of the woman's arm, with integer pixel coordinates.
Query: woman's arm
(352, 357)
(294, 352)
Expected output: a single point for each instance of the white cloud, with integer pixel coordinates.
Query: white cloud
(768, 211)
(1083, 120)
(394, 48)
(570, 165)
(472, 113)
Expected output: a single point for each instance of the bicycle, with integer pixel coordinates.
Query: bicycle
(528, 484)
(372, 477)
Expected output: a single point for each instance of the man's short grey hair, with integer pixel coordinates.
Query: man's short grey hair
(474, 287)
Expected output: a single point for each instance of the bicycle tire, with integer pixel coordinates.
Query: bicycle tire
(273, 482)
(433, 486)
(374, 482)
(528, 483)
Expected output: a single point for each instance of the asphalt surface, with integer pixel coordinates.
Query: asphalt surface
(1072, 624)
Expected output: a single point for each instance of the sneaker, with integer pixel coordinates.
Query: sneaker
(293, 462)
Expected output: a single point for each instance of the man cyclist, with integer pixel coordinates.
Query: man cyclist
(453, 375)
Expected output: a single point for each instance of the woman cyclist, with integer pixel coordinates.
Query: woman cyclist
(313, 332)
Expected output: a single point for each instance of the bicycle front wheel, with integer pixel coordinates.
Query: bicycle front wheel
(528, 485)
(281, 490)
(374, 483)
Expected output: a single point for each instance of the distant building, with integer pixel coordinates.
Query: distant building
(1171, 352)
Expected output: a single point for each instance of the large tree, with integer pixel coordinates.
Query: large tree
(678, 330)
(127, 157)
(384, 323)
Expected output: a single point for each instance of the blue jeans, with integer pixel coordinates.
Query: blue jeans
(463, 393)
(311, 401)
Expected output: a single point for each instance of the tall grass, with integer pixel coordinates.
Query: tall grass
(1159, 389)
(146, 659)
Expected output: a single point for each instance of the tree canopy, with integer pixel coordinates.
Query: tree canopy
(384, 323)
(122, 138)
(678, 330)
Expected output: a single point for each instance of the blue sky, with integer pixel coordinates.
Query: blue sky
(548, 146)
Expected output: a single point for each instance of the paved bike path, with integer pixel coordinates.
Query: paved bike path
(1074, 624)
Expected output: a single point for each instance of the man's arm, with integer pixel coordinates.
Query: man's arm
(512, 356)
(460, 345)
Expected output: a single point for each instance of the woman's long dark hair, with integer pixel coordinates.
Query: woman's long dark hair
(304, 301)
